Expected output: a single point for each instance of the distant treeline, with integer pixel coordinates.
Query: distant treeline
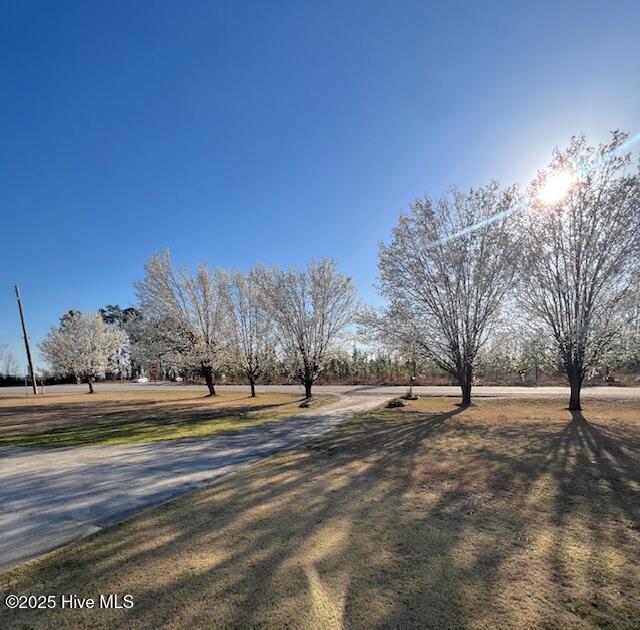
(361, 368)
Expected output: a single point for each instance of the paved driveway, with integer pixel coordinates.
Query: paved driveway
(50, 497)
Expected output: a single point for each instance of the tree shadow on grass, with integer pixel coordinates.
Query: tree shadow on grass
(77, 424)
(407, 520)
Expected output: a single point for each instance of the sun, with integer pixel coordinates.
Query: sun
(556, 187)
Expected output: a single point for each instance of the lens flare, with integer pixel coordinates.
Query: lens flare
(584, 170)
(556, 187)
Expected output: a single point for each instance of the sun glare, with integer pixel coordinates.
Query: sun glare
(556, 187)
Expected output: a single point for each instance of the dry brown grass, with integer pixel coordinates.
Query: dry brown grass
(509, 514)
(125, 417)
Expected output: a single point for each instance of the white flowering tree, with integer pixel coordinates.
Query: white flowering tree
(311, 310)
(8, 363)
(84, 346)
(447, 271)
(582, 235)
(160, 343)
(186, 313)
(251, 333)
(393, 329)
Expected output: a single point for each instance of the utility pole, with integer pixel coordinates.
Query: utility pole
(26, 343)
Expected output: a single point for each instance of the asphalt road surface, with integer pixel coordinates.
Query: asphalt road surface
(359, 390)
(52, 496)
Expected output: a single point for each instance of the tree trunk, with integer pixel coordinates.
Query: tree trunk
(208, 378)
(466, 381)
(253, 388)
(575, 382)
(466, 394)
(307, 387)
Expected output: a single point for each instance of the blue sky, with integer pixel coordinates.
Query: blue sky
(238, 132)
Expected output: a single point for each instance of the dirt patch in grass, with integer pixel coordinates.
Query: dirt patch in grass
(508, 514)
(127, 417)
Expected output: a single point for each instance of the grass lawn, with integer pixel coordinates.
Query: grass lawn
(128, 417)
(509, 514)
